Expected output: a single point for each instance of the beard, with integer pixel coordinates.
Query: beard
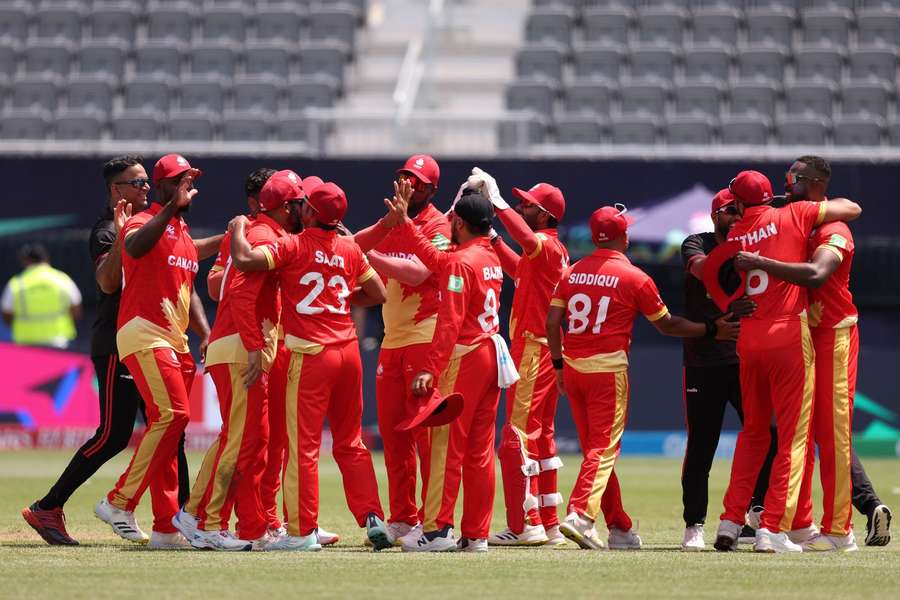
(723, 229)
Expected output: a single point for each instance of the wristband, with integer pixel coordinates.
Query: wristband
(557, 363)
(711, 328)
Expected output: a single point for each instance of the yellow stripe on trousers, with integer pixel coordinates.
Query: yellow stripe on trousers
(291, 479)
(801, 432)
(608, 456)
(146, 450)
(528, 374)
(440, 440)
(840, 403)
(198, 491)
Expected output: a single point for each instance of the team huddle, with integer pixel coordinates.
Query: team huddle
(283, 354)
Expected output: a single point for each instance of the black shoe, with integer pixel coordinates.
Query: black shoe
(878, 526)
(747, 536)
(724, 543)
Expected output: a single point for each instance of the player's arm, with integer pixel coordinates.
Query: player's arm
(720, 329)
(208, 246)
(509, 260)
(554, 340)
(825, 261)
(108, 272)
(693, 256)
(840, 209)
(371, 291)
(198, 323)
(520, 231)
(408, 271)
(433, 258)
(140, 241)
(371, 236)
(214, 283)
(244, 256)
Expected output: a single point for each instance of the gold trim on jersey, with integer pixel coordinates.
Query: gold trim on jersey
(301, 346)
(658, 314)
(833, 249)
(230, 348)
(608, 362)
(141, 334)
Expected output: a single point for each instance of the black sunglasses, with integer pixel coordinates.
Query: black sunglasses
(135, 183)
(728, 210)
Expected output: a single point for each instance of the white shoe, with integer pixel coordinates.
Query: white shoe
(397, 530)
(623, 540)
(325, 537)
(816, 543)
(801, 536)
(532, 535)
(122, 522)
(727, 536)
(410, 537)
(167, 541)
(223, 541)
(766, 541)
(472, 545)
(295, 543)
(844, 543)
(581, 531)
(271, 536)
(693, 539)
(555, 537)
(878, 527)
(432, 541)
(186, 524)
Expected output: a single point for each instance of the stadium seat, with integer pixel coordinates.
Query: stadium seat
(702, 98)
(306, 92)
(865, 98)
(644, 97)
(327, 59)
(606, 24)
(334, 24)
(707, 62)
(535, 95)
(878, 27)
(858, 131)
(158, 57)
(213, 58)
(744, 130)
(664, 24)
(256, 93)
(135, 126)
(191, 126)
(653, 61)
(48, 57)
(170, 21)
(202, 94)
(541, 61)
(580, 129)
(8, 60)
(35, 92)
(598, 61)
(294, 127)
(820, 63)
(801, 131)
(113, 20)
(715, 24)
(58, 21)
(770, 26)
(225, 24)
(811, 99)
(549, 25)
(150, 93)
(79, 125)
(90, 92)
(24, 125)
(694, 130)
(106, 57)
(267, 58)
(893, 132)
(278, 24)
(516, 134)
(831, 25)
(766, 64)
(13, 22)
(588, 96)
(753, 98)
(249, 126)
(570, 4)
(874, 64)
(634, 130)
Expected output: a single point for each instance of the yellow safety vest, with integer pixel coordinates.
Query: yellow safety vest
(41, 306)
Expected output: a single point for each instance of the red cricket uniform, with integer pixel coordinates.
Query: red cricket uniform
(777, 373)
(247, 318)
(531, 402)
(463, 359)
(410, 314)
(153, 318)
(317, 271)
(832, 321)
(602, 295)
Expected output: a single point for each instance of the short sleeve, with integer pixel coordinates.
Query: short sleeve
(691, 250)
(102, 239)
(561, 291)
(6, 300)
(649, 302)
(364, 270)
(834, 237)
(133, 224)
(808, 214)
(223, 255)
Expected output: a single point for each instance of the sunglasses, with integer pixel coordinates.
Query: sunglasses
(793, 178)
(728, 210)
(135, 183)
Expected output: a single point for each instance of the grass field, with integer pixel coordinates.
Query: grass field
(105, 566)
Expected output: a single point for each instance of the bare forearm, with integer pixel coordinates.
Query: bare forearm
(209, 246)
(675, 326)
(805, 274)
(554, 331)
(109, 271)
(371, 236)
(140, 242)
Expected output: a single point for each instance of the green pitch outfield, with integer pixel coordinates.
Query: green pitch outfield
(105, 566)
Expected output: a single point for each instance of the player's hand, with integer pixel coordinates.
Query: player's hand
(204, 344)
(560, 382)
(185, 192)
(423, 383)
(239, 221)
(342, 230)
(397, 207)
(254, 368)
(489, 188)
(727, 330)
(747, 261)
(121, 213)
(742, 307)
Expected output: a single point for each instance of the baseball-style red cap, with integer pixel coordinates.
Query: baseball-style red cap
(424, 167)
(436, 411)
(609, 223)
(751, 188)
(281, 187)
(549, 197)
(329, 202)
(172, 165)
(310, 183)
(722, 199)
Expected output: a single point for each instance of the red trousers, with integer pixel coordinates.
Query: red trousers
(463, 450)
(233, 466)
(599, 403)
(777, 376)
(837, 353)
(276, 452)
(326, 384)
(164, 379)
(393, 382)
(528, 436)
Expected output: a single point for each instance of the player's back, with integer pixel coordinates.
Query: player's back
(536, 277)
(480, 267)
(831, 306)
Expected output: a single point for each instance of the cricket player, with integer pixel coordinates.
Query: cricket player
(320, 274)
(777, 361)
(158, 302)
(600, 296)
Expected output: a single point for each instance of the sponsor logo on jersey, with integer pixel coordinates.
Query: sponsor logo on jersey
(455, 284)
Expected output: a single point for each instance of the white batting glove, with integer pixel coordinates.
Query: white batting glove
(490, 189)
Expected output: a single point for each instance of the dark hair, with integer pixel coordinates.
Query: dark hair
(34, 253)
(114, 166)
(818, 164)
(256, 180)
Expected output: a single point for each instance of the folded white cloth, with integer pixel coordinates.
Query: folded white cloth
(507, 374)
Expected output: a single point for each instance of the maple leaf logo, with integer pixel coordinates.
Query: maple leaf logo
(177, 314)
(815, 313)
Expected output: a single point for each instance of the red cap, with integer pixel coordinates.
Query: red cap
(549, 197)
(310, 183)
(436, 411)
(609, 223)
(329, 202)
(424, 167)
(721, 199)
(279, 189)
(172, 165)
(751, 188)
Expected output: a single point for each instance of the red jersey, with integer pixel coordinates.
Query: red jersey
(470, 301)
(536, 277)
(317, 271)
(410, 312)
(832, 305)
(602, 294)
(249, 304)
(156, 288)
(222, 262)
(780, 234)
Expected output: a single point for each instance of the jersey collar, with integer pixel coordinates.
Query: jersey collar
(319, 233)
(270, 222)
(608, 253)
(425, 214)
(476, 241)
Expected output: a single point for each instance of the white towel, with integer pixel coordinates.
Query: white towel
(507, 374)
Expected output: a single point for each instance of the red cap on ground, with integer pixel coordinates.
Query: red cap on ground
(279, 189)
(172, 165)
(609, 223)
(436, 411)
(424, 167)
(721, 199)
(329, 202)
(751, 188)
(549, 197)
